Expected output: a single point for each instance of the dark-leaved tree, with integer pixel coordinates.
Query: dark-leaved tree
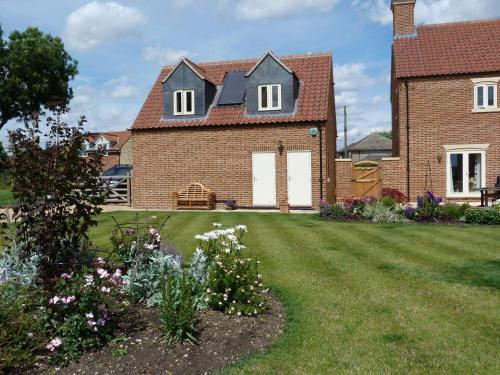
(58, 193)
(35, 71)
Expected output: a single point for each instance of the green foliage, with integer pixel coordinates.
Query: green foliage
(39, 71)
(135, 244)
(390, 217)
(13, 267)
(58, 193)
(389, 202)
(177, 310)
(337, 211)
(384, 133)
(453, 211)
(485, 216)
(22, 335)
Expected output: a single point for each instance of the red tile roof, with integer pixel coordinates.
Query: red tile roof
(116, 139)
(447, 49)
(314, 72)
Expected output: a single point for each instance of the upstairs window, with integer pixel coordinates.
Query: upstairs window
(269, 97)
(184, 102)
(485, 94)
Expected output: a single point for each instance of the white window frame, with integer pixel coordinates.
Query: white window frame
(269, 97)
(184, 110)
(465, 160)
(485, 83)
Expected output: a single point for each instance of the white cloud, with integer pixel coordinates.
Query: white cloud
(165, 56)
(97, 22)
(351, 77)
(120, 88)
(431, 11)
(258, 9)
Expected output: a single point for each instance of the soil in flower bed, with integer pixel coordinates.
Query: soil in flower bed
(138, 348)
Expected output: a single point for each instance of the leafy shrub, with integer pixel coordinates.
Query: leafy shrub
(22, 335)
(453, 211)
(58, 193)
(375, 209)
(325, 209)
(142, 282)
(389, 202)
(177, 309)
(428, 207)
(13, 267)
(395, 194)
(337, 211)
(485, 216)
(78, 314)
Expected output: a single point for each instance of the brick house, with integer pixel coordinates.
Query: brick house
(261, 132)
(117, 145)
(445, 108)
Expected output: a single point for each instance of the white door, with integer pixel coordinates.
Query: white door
(299, 178)
(264, 178)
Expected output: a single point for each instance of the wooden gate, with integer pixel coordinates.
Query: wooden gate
(119, 189)
(366, 179)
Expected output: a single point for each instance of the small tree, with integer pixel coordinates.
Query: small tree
(35, 71)
(58, 193)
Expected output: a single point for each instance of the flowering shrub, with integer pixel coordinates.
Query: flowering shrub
(177, 309)
(374, 209)
(410, 212)
(77, 314)
(325, 209)
(428, 207)
(233, 282)
(133, 243)
(395, 194)
(355, 205)
(390, 217)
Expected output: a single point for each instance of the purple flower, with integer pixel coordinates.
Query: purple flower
(130, 231)
(410, 212)
(420, 202)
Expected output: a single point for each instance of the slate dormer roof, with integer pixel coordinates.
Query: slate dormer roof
(314, 71)
(372, 142)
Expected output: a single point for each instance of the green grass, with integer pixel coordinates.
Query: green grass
(366, 298)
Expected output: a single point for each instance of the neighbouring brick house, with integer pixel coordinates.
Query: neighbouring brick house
(445, 108)
(117, 146)
(261, 132)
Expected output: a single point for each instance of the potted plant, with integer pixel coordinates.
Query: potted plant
(230, 204)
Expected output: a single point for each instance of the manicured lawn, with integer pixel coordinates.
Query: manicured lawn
(366, 298)
(6, 197)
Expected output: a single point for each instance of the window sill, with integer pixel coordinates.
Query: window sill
(485, 110)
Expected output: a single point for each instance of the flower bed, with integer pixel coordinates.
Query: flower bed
(390, 208)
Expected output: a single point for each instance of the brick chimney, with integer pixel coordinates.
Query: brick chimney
(403, 16)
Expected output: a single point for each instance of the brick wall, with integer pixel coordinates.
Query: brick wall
(343, 178)
(403, 17)
(441, 114)
(166, 160)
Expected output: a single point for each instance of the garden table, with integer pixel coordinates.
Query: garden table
(491, 192)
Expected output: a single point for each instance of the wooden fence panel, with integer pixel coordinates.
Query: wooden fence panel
(366, 180)
(120, 189)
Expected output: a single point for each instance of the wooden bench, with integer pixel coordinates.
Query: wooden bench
(194, 197)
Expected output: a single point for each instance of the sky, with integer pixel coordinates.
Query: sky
(120, 45)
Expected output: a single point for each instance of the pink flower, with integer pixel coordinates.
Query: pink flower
(54, 300)
(118, 273)
(102, 273)
(53, 344)
(67, 300)
(105, 290)
(66, 276)
(101, 261)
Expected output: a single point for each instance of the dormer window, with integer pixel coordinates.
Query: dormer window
(269, 97)
(485, 94)
(183, 102)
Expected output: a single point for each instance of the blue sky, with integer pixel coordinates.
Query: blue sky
(121, 44)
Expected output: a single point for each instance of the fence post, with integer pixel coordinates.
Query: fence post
(129, 190)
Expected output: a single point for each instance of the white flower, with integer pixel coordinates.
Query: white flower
(54, 300)
(102, 273)
(105, 290)
(241, 227)
(217, 225)
(227, 251)
(89, 315)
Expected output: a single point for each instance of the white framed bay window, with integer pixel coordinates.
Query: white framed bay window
(183, 102)
(465, 170)
(269, 97)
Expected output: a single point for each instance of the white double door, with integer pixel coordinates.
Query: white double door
(298, 177)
